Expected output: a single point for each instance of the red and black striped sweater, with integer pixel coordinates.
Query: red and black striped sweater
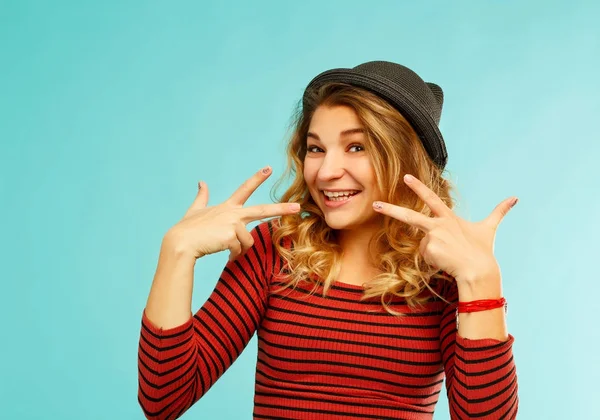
(324, 357)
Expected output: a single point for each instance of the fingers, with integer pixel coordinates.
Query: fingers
(243, 243)
(235, 249)
(405, 215)
(241, 195)
(500, 211)
(201, 199)
(435, 203)
(253, 213)
(245, 238)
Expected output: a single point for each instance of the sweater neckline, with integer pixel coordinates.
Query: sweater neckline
(347, 287)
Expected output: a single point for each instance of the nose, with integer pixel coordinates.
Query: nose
(332, 167)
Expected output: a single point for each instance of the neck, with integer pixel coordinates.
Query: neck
(355, 243)
(357, 266)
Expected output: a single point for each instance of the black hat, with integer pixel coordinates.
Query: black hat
(419, 102)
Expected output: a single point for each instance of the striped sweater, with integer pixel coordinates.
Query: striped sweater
(324, 357)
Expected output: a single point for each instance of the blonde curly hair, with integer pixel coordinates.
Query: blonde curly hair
(394, 149)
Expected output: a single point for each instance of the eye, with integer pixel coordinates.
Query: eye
(313, 149)
(359, 146)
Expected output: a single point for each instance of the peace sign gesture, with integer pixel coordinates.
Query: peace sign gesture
(463, 249)
(206, 230)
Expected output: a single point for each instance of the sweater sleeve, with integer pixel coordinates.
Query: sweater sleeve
(177, 366)
(481, 378)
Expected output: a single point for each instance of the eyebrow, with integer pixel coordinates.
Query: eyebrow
(344, 133)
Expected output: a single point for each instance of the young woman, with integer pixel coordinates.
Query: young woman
(364, 287)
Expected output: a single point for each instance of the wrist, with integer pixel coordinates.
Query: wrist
(487, 285)
(173, 250)
(471, 293)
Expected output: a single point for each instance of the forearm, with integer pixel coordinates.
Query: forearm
(482, 380)
(481, 372)
(170, 299)
(484, 324)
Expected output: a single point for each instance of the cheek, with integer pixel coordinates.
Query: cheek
(371, 181)
(309, 172)
(366, 172)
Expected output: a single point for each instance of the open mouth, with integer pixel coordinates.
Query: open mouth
(339, 197)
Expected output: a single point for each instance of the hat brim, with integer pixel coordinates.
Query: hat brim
(423, 124)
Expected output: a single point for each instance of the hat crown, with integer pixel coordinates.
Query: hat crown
(429, 95)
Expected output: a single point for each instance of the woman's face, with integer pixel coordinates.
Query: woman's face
(337, 169)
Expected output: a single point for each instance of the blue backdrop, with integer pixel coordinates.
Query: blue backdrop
(111, 111)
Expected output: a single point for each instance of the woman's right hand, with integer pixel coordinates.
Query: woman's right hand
(206, 230)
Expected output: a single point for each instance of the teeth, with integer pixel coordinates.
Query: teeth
(339, 194)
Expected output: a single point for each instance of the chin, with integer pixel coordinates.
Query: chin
(351, 221)
(342, 223)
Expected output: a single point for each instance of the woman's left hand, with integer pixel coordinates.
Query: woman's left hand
(463, 249)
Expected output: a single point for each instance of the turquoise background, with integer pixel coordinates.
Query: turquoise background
(111, 111)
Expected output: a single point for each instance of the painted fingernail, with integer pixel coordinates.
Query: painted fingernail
(266, 170)
(514, 202)
(199, 184)
(377, 205)
(409, 178)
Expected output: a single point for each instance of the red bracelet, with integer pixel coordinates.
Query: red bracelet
(481, 305)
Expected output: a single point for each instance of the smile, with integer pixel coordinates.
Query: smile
(338, 198)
